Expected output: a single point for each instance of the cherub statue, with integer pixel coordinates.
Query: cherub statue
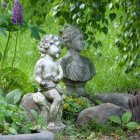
(47, 74)
(77, 69)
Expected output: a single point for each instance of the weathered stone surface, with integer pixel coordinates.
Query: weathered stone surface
(28, 103)
(134, 105)
(120, 99)
(48, 73)
(77, 69)
(36, 136)
(100, 113)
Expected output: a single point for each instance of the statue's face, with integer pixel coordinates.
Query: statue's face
(78, 43)
(54, 50)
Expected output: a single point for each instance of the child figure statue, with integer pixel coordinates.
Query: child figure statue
(77, 69)
(47, 74)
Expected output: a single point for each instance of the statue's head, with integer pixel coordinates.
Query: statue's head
(72, 37)
(50, 45)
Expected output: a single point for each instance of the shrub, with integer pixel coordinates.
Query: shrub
(14, 120)
(73, 105)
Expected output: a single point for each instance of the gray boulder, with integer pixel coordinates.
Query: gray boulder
(100, 113)
(120, 99)
(29, 104)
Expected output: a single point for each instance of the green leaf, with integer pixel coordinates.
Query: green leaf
(110, 5)
(126, 117)
(35, 32)
(115, 119)
(8, 113)
(2, 31)
(4, 22)
(105, 30)
(0, 56)
(2, 119)
(112, 16)
(41, 121)
(14, 96)
(26, 129)
(35, 115)
(12, 131)
(132, 126)
(132, 63)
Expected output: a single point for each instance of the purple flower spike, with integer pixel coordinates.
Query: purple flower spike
(17, 13)
(4, 5)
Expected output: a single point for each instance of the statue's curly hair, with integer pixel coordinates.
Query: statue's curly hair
(68, 33)
(48, 41)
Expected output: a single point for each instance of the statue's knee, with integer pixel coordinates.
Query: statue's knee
(59, 101)
(39, 98)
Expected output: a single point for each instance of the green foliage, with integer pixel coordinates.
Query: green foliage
(126, 118)
(74, 132)
(73, 105)
(90, 16)
(95, 16)
(13, 118)
(132, 126)
(128, 40)
(124, 121)
(14, 96)
(59, 136)
(34, 113)
(13, 78)
(38, 11)
(93, 130)
(104, 129)
(40, 121)
(115, 119)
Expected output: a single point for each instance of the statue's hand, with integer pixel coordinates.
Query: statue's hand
(48, 84)
(43, 84)
(57, 78)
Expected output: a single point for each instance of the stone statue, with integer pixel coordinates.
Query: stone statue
(47, 74)
(77, 69)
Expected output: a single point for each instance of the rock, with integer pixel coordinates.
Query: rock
(36, 136)
(120, 99)
(100, 113)
(29, 104)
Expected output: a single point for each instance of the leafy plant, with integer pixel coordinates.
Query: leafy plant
(11, 23)
(14, 96)
(99, 128)
(128, 40)
(13, 78)
(124, 121)
(14, 119)
(73, 105)
(90, 16)
(40, 121)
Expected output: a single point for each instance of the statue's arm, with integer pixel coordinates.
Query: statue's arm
(60, 72)
(38, 73)
(46, 80)
(60, 75)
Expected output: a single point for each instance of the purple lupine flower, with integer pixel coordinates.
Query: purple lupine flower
(4, 5)
(17, 18)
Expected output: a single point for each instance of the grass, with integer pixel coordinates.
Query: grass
(109, 76)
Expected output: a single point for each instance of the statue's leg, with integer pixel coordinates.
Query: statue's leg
(39, 99)
(56, 106)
